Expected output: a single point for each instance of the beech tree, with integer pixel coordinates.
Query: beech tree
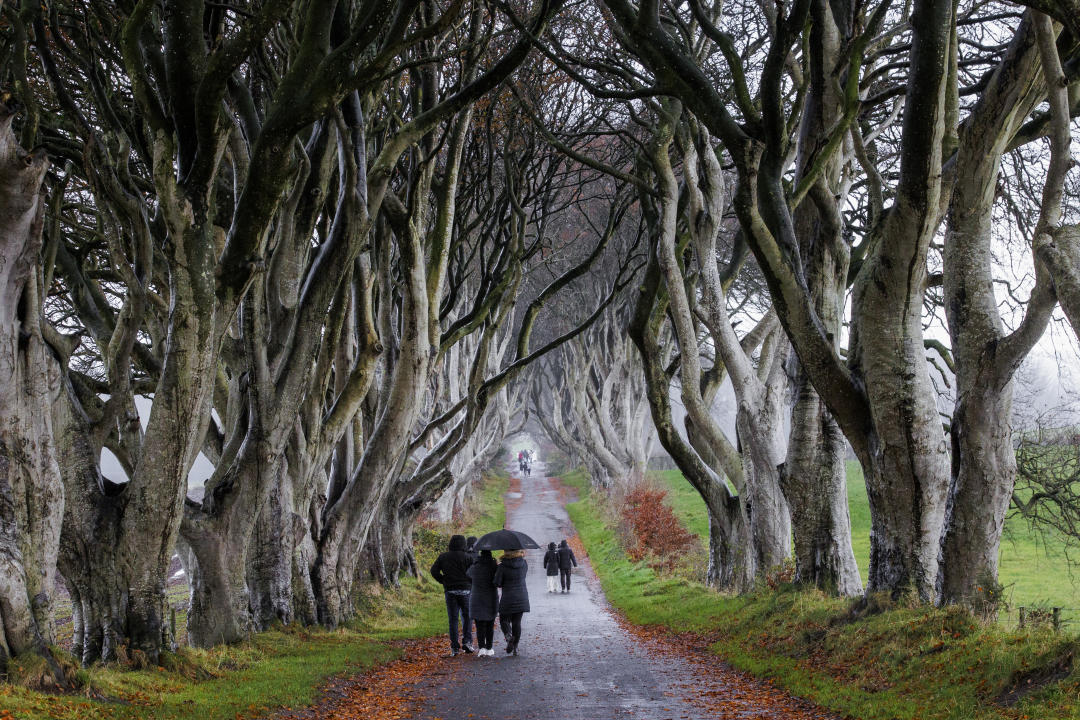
(881, 396)
(232, 176)
(985, 356)
(31, 492)
(343, 248)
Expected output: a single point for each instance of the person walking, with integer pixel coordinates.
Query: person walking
(566, 561)
(470, 548)
(514, 602)
(483, 601)
(551, 565)
(450, 570)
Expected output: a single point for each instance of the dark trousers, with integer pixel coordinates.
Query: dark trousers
(511, 627)
(564, 578)
(458, 604)
(485, 633)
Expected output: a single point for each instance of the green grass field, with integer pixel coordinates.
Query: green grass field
(1035, 569)
(284, 667)
(890, 662)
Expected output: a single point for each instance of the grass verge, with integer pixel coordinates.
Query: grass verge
(1035, 568)
(885, 661)
(283, 667)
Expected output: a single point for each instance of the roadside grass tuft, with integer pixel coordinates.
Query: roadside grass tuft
(33, 672)
(873, 659)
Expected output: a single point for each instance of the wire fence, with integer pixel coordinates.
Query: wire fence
(1033, 617)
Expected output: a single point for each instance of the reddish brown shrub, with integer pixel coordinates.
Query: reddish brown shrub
(654, 531)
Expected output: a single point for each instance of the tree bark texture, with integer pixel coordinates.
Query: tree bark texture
(31, 491)
(985, 357)
(814, 473)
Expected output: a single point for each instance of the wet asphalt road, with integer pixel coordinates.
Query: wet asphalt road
(575, 661)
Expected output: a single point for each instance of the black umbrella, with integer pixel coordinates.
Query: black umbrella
(506, 540)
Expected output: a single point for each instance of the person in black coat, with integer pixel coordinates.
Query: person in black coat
(515, 595)
(551, 565)
(484, 601)
(566, 561)
(470, 548)
(450, 569)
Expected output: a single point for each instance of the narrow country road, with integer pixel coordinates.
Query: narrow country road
(575, 661)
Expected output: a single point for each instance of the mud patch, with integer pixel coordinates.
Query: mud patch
(1028, 681)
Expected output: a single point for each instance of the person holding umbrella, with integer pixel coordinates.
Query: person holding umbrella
(514, 603)
(483, 601)
(510, 576)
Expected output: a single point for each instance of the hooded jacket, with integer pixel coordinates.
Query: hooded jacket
(511, 578)
(451, 566)
(551, 560)
(484, 598)
(566, 557)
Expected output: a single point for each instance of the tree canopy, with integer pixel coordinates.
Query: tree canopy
(343, 249)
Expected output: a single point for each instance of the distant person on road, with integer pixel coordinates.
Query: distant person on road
(566, 562)
(551, 565)
(514, 602)
(484, 601)
(450, 570)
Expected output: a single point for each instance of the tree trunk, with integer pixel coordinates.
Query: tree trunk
(31, 491)
(732, 561)
(731, 564)
(219, 533)
(270, 559)
(906, 466)
(219, 611)
(282, 547)
(814, 479)
(984, 473)
(89, 536)
(221, 607)
(390, 547)
(383, 546)
(770, 516)
(119, 538)
(983, 456)
(814, 476)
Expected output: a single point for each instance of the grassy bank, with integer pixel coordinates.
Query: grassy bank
(284, 667)
(1035, 569)
(885, 662)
